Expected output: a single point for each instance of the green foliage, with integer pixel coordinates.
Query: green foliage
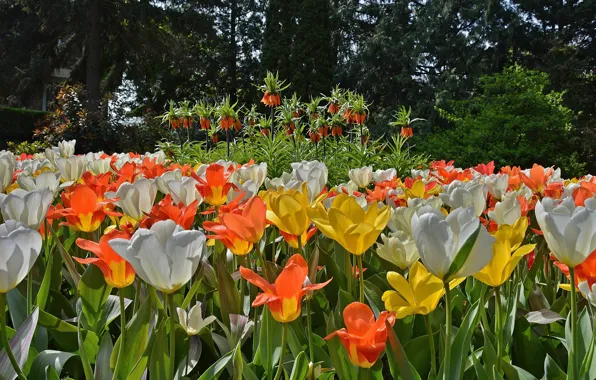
(512, 119)
(17, 125)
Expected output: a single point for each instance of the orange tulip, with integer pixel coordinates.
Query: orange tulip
(240, 229)
(85, 210)
(292, 240)
(166, 209)
(586, 271)
(364, 338)
(215, 187)
(283, 298)
(537, 179)
(116, 271)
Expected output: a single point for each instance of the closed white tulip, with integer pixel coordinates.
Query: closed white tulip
(465, 194)
(19, 249)
(72, 168)
(66, 148)
(45, 180)
(507, 211)
(276, 183)
(165, 256)
(136, 199)
(440, 240)
(162, 180)
(193, 322)
(401, 219)
(248, 189)
(254, 172)
(184, 191)
(7, 167)
(27, 207)
(361, 176)
(384, 175)
(100, 166)
(570, 231)
(314, 173)
(398, 248)
(497, 184)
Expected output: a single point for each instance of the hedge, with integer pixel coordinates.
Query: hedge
(18, 124)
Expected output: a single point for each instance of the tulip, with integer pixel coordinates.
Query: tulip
(536, 178)
(401, 219)
(72, 168)
(117, 272)
(28, 207)
(165, 256)
(7, 167)
(570, 231)
(84, 211)
(362, 176)
(384, 175)
(584, 271)
(276, 183)
(162, 181)
(45, 180)
(193, 322)
(454, 246)
(589, 291)
(184, 191)
(66, 149)
(215, 187)
(398, 248)
(284, 297)
(19, 249)
(497, 184)
(287, 210)
(348, 224)
(255, 172)
(241, 229)
(419, 294)
(245, 191)
(183, 216)
(100, 166)
(293, 241)
(507, 252)
(465, 194)
(363, 337)
(507, 211)
(314, 173)
(136, 199)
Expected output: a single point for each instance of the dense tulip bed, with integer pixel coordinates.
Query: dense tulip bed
(127, 266)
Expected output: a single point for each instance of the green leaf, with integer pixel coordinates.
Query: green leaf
(49, 358)
(480, 371)
(552, 370)
(19, 344)
(373, 295)
(300, 368)
(462, 256)
(515, 373)
(343, 368)
(44, 289)
(70, 266)
(83, 352)
(238, 362)
(216, 368)
(229, 297)
(418, 352)
(17, 307)
(159, 360)
(524, 341)
(137, 337)
(397, 353)
(111, 310)
(93, 293)
(462, 343)
(102, 363)
(269, 341)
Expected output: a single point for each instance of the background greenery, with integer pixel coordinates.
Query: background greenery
(438, 57)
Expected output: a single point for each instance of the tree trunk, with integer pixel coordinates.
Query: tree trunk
(93, 72)
(233, 49)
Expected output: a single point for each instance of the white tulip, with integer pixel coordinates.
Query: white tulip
(45, 180)
(465, 194)
(72, 168)
(100, 166)
(27, 207)
(184, 191)
(440, 239)
(66, 148)
(32, 167)
(7, 167)
(507, 211)
(569, 231)
(276, 183)
(314, 173)
(19, 249)
(420, 173)
(497, 184)
(193, 322)
(52, 155)
(361, 176)
(254, 172)
(248, 188)
(384, 175)
(401, 219)
(588, 291)
(162, 181)
(165, 256)
(136, 199)
(398, 248)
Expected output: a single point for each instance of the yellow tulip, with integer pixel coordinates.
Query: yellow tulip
(419, 294)
(286, 209)
(348, 224)
(507, 252)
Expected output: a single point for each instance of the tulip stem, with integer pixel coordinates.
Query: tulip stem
(284, 335)
(498, 326)
(573, 351)
(170, 303)
(431, 341)
(309, 328)
(360, 277)
(263, 265)
(447, 330)
(122, 334)
(4, 337)
(29, 292)
(137, 296)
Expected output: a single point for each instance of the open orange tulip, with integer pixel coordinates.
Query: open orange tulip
(364, 338)
(241, 228)
(183, 215)
(283, 298)
(116, 271)
(538, 178)
(215, 187)
(85, 210)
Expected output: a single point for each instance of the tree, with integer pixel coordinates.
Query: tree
(512, 119)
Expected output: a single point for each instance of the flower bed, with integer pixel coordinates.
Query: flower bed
(118, 266)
